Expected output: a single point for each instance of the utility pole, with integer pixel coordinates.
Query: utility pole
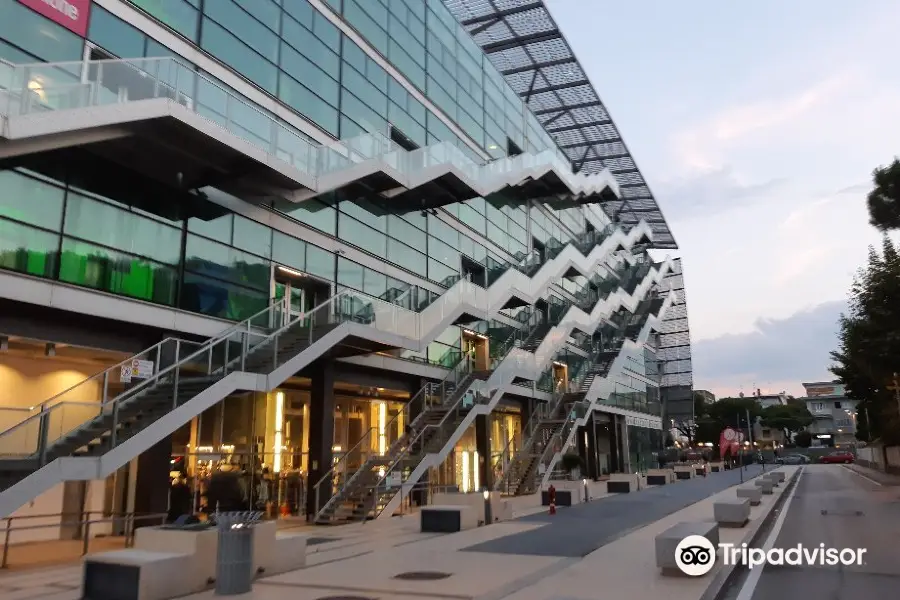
(750, 435)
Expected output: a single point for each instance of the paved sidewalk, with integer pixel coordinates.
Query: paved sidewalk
(875, 475)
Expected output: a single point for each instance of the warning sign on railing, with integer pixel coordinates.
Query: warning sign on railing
(136, 369)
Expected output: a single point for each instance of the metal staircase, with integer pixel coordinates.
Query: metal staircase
(156, 99)
(401, 477)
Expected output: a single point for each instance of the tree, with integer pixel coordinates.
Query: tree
(868, 351)
(788, 418)
(727, 412)
(687, 426)
(803, 439)
(884, 199)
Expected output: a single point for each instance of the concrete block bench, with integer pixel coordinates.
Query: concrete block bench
(765, 484)
(288, 553)
(685, 472)
(501, 509)
(779, 475)
(701, 470)
(667, 542)
(563, 498)
(448, 519)
(771, 477)
(732, 513)
(754, 494)
(660, 476)
(716, 467)
(623, 483)
(135, 575)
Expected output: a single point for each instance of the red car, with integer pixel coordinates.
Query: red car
(840, 457)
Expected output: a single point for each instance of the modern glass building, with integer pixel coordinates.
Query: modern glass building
(301, 255)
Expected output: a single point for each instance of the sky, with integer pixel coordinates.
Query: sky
(757, 126)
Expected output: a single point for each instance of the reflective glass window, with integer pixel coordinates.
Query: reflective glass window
(439, 272)
(37, 35)
(115, 35)
(449, 255)
(349, 274)
(308, 104)
(225, 46)
(30, 200)
(315, 214)
(28, 250)
(219, 228)
(253, 33)
(401, 230)
(252, 236)
(309, 74)
(211, 259)
(319, 262)
(102, 223)
(218, 298)
(288, 251)
(85, 264)
(375, 283)
(401, 254)
(362, 236)
(177, 14)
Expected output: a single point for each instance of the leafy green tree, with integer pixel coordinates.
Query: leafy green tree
(787, 418)
(803, 439)
(868, 351)
(688, 426)
(884, 199)
(726, 412)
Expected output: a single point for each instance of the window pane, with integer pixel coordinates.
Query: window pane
(219, 299)
(350, 274)
(115, 35)
(105, 224)
(288, 251)
(308, 104)
(362, 236)
(319, 262)
(219, 228)
(30, 200)
(230, 16)
(315, 214)
(41, 37)
(209, 258)
(116, 272)
(177, 14)
(374, 283)
(28, 250)
(406, 257)
(252, 236)
(230, 49)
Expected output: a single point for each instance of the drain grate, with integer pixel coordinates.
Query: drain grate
(842, 513)
(346, 598)
(422, 576)
(313, 541)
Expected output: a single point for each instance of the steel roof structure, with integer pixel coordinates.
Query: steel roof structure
(524, 43)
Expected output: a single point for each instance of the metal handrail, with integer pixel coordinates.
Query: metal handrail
(129, 518)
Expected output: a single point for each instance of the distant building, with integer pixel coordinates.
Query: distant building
(835, 414)
(707, 396)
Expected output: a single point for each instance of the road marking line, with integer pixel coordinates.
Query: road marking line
(866, 477)
(753, 575)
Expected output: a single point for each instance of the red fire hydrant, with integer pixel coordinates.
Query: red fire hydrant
(551, 495)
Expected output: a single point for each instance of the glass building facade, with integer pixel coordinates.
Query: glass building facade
(325, 70)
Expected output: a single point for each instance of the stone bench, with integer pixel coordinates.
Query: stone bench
(700, 470)
(273, 552)
(754, 494)
(732, 513)
(716, 467)
(765, 484)
(448, 519)
(777, 475)
(660, 476)
(135, 575)
(501, 508)
(623, 483)
(772, 478)
(685, 472)
(563, 498)
(667, 542)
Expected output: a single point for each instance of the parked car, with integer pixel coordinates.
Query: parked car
(839, 457)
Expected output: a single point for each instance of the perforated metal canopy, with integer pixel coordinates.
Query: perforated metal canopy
(524, 43)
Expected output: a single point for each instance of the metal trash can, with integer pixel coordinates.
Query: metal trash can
(234, 559)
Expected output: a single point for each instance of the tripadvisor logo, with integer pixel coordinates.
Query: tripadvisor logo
(695, 555)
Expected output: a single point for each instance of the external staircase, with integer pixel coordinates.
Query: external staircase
(65, 440)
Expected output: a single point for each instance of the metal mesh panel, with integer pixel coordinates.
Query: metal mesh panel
(523, 42)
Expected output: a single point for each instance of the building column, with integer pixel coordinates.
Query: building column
(321, 433)
(483, 447)
(590, 442)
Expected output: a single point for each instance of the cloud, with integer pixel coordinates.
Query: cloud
(711, 191)
(778, 355)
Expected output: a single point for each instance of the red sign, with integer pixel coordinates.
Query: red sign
(71, 14)
(730, 440)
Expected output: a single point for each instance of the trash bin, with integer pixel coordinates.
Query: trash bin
(234, 559)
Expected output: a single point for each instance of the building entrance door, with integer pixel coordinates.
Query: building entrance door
(303, 293)
(476, 350)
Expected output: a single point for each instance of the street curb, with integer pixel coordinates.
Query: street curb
(726, 575)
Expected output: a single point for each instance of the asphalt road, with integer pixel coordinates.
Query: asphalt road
(831, 505)
(578, 530)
